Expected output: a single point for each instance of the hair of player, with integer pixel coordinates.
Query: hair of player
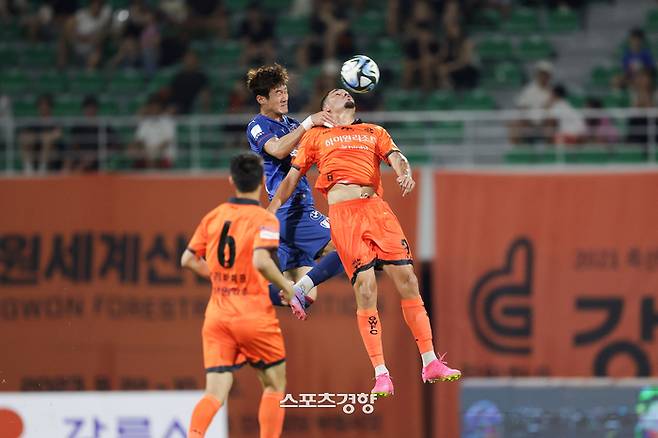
(261, 80)
(324, 99)
(247, 172)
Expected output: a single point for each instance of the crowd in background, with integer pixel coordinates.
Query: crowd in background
(146, 36)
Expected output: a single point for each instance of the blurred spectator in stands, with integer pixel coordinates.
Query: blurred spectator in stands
(41, 143)
(421, 52)
(208, 18)
(401, 15)
(324, 82)
(257, 33)
(84, 35)
(87, 137)
(457, 68)
(600, 128)
(155, 139)
(565, 124)
(176, 11)
(240, 101)
(48, 19)
(643, 95)
(131, 24)
(327, 23)
(637, 55)
(567, 4)
(532, 100)
(189, 86)
(140, 41)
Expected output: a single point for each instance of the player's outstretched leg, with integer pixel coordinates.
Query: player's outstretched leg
(415, 315)
(370, 328)
(327, 267)
(217, 387)
(270, 413)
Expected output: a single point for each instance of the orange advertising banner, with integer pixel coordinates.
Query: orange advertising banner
(92, 298)
(550, 274)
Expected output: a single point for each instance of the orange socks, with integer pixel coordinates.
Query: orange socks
(370, 328)
(270, 415)
(204, 411)
(416, 318)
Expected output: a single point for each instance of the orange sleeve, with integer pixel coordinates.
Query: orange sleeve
(385, 145)
(305, 156)
(267, 232)
(199, 240)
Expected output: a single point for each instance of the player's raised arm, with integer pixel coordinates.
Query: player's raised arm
(401, 166)
(282, 147)
(285, 189)
(189, 260)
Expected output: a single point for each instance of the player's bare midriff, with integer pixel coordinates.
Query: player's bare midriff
(346, 192)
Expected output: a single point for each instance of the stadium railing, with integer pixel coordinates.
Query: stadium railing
(439, 138)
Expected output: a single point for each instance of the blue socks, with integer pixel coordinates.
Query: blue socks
(328, 266)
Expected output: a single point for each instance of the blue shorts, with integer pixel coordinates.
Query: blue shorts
(304, 234)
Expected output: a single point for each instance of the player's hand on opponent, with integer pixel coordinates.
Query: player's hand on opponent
(406, 183)
(285, 300)
(323, 118)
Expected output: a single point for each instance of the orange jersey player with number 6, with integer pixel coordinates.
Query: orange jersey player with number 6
(232, 247)
(364, 229)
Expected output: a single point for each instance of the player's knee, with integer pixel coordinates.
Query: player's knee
(365, 287)
(407, 282)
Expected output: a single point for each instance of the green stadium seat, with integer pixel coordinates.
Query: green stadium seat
(486, 20)
(651, 21)
(277, 5)
(38, 56)
(577, 100)
(439, 100)
(292, 27)
(522, 21)
(237, 5)
(25, 108)
(476, 100)
(446, 133)
(370, 24)
(8, 55)
(68, 106)
(385, 49)
(119, 161)
(625, 154)
(403, 100)
(227, 54)
(10, 31)
(495, 49)
(126, 83)
(503, 75)
(51, 82)
(87, 83)
(601, 76)
(587, 155)
(534, 48)
(529, 155)
(109, 107)
(14, 82)
(562, 20)
(616, 100)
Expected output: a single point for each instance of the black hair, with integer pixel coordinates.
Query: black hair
(247, 171)
(90, 100)
(324, 99)
(263, 79)
(560, 91)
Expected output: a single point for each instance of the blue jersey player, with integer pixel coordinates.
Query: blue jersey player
(304, 232)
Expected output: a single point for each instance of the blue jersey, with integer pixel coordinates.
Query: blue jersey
(259, 131)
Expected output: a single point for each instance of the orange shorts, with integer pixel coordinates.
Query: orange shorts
(229, 344)
(367, 234)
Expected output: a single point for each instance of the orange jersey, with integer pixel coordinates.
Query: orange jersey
(345, 154)
(227, 238)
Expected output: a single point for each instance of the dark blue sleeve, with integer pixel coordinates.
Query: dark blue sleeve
(258, 134)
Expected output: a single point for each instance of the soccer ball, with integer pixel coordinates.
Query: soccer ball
(359, 74)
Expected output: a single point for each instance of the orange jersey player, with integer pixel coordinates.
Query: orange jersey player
(232, 246)
(364, 229)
